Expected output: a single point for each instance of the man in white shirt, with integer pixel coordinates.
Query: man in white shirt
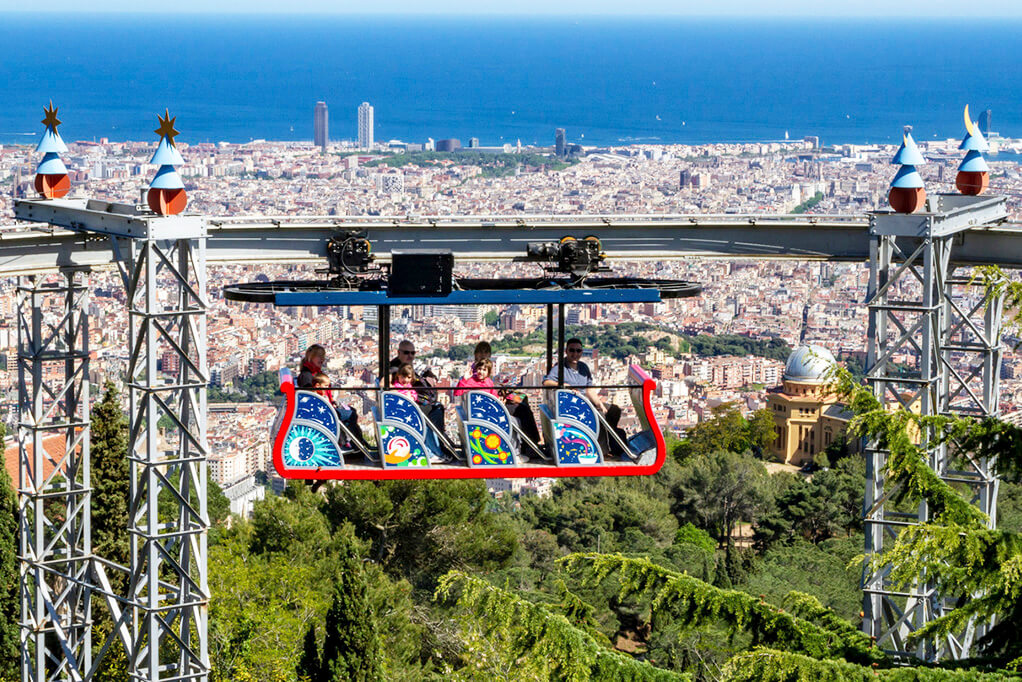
(576, 373)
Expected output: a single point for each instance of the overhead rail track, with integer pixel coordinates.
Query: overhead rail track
(262, 239)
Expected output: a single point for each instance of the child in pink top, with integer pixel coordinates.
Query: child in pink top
(404, 379)
(480, 379)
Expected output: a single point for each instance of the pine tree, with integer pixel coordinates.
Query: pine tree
(110, 488)
(9, 641)
(351, 647)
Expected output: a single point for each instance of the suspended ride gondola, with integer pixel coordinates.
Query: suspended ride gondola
(310, 440)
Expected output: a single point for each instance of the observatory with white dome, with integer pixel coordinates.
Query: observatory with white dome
(807, 415)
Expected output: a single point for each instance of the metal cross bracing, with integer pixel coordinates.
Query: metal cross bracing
(934, 349)
(53, 478)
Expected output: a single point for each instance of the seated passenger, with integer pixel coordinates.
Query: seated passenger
(517, 403)
(576, 374)
(404, 381)
(424, 383)
(312, 364)
(346, 413)
(479, 380)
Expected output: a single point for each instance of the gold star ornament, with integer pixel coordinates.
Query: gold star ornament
(51, 120)
(166, 128)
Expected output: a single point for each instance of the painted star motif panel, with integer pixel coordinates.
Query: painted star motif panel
(575, 446)
(314, 408)
(574, 406)
(488, 446)
(399, 408)
(487, 408)
(308, 447)
(401, 448)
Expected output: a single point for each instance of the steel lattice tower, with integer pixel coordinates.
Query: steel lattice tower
(925, 324)
(162, 620)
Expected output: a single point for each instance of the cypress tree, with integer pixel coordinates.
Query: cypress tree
(308, 664)
(351, 647)
(9, 611)
(110, 489)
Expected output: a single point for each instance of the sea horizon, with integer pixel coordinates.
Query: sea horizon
(608, 80)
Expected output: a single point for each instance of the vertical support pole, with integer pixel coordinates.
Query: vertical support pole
(560, 344)
(383, 322)
(549, 337)
(53, 476)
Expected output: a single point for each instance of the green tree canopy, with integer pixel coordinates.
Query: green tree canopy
(721, 489)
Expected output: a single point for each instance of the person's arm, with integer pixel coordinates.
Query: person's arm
(591, 392)
(551, 379)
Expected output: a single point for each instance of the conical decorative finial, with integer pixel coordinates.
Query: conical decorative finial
(907, 193)
(167, 192)
(51, 179)
(973, 173)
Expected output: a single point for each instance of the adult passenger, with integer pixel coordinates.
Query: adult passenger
(312, 364)
(576, 373)
(517, 403)
(311, 377)
(424, 384)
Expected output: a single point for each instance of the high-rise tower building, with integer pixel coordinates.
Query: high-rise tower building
(365, 125)
(985, 121)
(560, 143)
(321, 125)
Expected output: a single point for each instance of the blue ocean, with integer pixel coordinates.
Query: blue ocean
(608, 81)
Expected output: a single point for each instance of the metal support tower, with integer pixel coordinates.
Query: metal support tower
(53, 479)
(933, 348)
(167, 304)
(162, 620)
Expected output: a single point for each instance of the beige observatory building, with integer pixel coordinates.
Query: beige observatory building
(807, 416)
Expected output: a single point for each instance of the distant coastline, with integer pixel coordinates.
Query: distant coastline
(608, 81)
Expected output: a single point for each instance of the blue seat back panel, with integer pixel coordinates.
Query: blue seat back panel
(487, 408)
(313, 407)
(400, 408)
(571, 405)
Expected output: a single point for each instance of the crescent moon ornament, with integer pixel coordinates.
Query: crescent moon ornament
(969, 125)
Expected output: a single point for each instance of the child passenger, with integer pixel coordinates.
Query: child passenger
(321, 384)
(404, 380)
(480, 379)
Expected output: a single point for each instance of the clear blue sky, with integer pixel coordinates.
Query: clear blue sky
(779, 8)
